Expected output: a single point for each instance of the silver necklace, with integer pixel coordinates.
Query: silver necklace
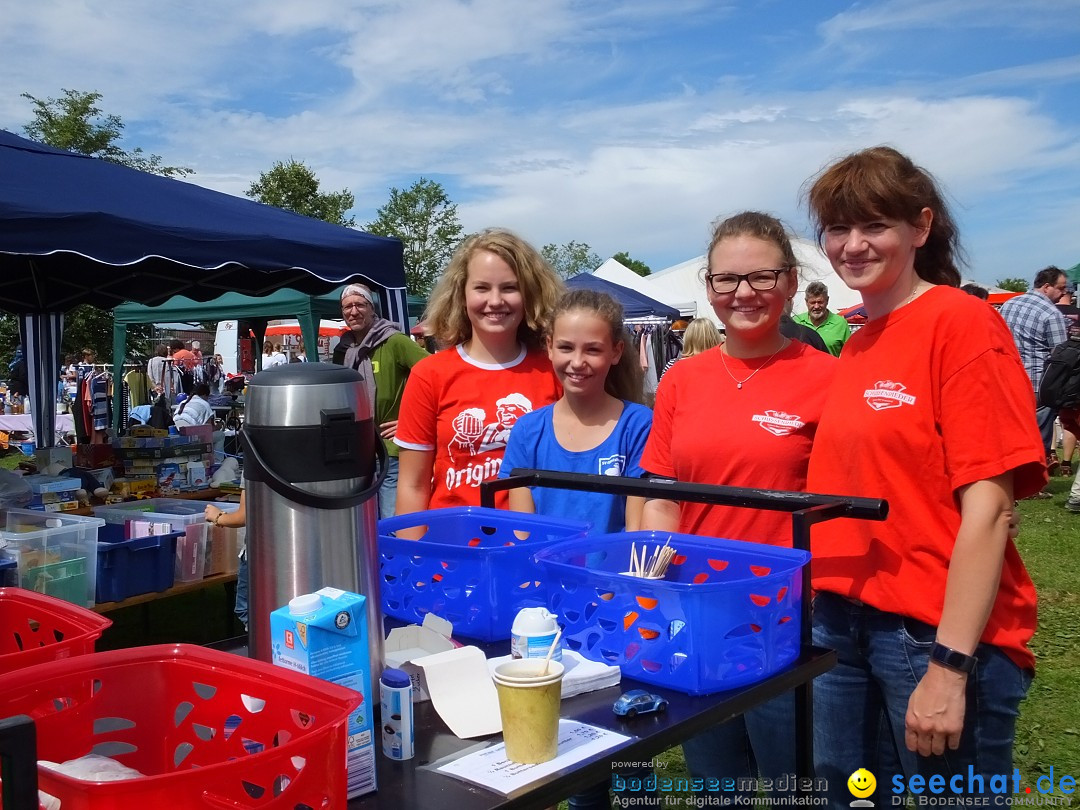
(739, 383)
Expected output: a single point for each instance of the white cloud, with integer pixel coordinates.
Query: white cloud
(547, 118)
(905, 15)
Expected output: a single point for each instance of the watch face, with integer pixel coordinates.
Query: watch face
(952, 658)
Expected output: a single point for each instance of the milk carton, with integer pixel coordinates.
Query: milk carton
(325, 634)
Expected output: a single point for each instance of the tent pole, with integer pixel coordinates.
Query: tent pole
(119, 352)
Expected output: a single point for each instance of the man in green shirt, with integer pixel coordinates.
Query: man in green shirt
(832, 328)
(379, 351)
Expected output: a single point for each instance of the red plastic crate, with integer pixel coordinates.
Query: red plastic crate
(206, 728)
(35, 628)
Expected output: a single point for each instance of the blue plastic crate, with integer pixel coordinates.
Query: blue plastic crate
(131, 567)
(726, 614)
(473, 567)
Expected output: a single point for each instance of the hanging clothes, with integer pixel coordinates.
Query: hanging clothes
(100, 407)
(138, 383)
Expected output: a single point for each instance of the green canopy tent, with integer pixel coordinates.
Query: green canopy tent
(285, 303)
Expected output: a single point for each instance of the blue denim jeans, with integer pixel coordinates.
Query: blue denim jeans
(241, 608)
(860, 704)
(388, 490)
(757, 744)
(1045, 418)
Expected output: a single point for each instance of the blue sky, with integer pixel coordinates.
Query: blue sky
(628, 126)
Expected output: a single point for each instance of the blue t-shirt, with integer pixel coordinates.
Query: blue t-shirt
(533, 445)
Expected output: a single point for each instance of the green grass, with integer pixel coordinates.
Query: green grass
(1048, 732)
(10, 458)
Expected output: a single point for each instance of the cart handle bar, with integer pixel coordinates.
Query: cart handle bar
(668, 489)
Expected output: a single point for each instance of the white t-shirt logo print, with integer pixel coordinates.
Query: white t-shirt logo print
(887, 394)
(779, 423)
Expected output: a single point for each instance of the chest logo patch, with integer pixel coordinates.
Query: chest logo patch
(612, 465)
(779, 423)
(887, 394)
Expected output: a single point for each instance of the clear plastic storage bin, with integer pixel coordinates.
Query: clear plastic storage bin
(55, 553)
(177, 512)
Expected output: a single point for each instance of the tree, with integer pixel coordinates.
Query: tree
(85, 327)
(638, 267)
(1013, 284)
(294, 187)
(75, 122)
(571, 258)
(427, 224)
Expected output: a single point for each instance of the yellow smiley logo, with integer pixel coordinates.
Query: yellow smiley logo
(861, 783)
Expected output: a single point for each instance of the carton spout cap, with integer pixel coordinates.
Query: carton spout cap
(305, 604)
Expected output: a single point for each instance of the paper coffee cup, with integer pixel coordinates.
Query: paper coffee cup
(529, 706)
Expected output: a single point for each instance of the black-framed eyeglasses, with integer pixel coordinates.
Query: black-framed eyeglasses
(760, 280)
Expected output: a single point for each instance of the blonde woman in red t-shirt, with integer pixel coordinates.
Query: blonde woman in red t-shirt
(930, 611)
(741, 414)
(459, 405)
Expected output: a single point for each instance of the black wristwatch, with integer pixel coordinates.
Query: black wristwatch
(953, 659)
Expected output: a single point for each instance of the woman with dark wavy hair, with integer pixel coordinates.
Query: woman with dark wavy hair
(930, 611)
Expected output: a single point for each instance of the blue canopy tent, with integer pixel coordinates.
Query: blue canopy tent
(634, 304)
(79, 230)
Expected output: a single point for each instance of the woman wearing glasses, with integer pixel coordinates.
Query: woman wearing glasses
(741, 414)
(930, 611)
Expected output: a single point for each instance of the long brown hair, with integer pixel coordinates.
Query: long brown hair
(540, 287)
(882, 182)
(624, 378)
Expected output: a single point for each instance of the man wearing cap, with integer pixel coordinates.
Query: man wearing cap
(383, 355)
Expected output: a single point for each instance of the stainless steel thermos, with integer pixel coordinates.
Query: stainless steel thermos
(313, 462)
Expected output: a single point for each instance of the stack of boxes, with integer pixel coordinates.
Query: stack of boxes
(53, 493)
(174, 462)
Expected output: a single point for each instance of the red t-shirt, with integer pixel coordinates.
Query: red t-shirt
(464, 410)
(184, 360)
(708, 431)
(926, 400)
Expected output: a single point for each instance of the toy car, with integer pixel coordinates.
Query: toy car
(638, 701)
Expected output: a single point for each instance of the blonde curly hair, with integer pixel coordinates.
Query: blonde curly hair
(540, 286)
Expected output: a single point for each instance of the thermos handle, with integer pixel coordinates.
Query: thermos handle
(304, 498)
(18, 763)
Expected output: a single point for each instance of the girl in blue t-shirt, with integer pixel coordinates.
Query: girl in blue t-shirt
(598, 426)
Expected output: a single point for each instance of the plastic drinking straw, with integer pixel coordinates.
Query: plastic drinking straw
(551, 651)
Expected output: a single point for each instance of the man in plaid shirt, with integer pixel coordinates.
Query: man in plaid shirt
(1038, 326)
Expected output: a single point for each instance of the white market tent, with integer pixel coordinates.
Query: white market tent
(686, 281)
(618, 273)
